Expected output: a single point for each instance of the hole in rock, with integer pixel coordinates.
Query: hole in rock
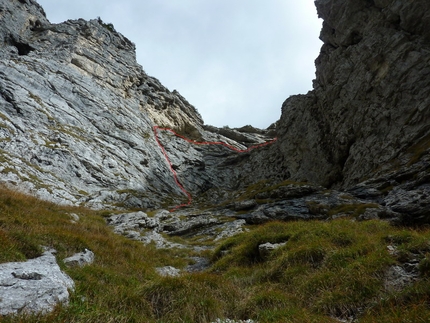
(23, 48)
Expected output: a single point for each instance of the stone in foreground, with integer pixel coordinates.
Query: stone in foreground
(34, 286)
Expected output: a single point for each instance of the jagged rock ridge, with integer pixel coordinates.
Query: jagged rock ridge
(77, 117)
(77, 113)
(370, 106)
(365, 127)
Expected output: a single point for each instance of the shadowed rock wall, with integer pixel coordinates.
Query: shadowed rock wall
(370, 101)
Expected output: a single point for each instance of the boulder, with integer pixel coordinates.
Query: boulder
(80, 259)
(34, 286)
(267, 248)
(168, 271)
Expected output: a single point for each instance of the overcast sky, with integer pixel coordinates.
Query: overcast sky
(236, 61)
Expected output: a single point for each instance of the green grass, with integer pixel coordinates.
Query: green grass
(325, 269)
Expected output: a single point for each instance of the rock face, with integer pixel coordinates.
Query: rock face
(369, 112)
(34, 286)
(78, 114)
(77, 117)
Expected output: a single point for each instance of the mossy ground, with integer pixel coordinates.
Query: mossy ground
(325, 270)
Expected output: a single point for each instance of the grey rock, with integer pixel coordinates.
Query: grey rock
(131, 221)
(190, 225)
(200, 264)
(288, 192)
(80, 259)
(368, 113)
(296, 209)
(159, 241)
(245, 205)
(398, 278)
(62, 144)
(77, 114)
(168, 271)
(131, 234)
(412, 206)
(74, 217)
(370, 214)
(229, 229)
(267, 248)
(34, 286)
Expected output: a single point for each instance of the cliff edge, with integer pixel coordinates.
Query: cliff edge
(78, 116)
(368, 113)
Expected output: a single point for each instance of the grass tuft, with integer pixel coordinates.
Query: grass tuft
(324, 271)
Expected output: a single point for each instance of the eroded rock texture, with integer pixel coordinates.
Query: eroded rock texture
(369, 112)
(36, 285)
(77, 116)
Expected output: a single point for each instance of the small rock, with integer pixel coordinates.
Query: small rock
(230, 229)
(131, 234)
(33, 286)
(397, 278)
(159, 241)
(245, 205)
(168, 271)
(74, 217)
(80, 259)
(392, 250)
(370, 214)
(266, 249)
(200, 264)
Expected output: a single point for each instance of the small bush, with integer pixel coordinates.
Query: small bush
(108, 26)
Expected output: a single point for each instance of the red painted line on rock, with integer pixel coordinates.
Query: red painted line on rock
(175, 175)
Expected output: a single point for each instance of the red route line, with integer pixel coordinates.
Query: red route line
(175, 175)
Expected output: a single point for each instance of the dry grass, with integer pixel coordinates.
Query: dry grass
(326, 269)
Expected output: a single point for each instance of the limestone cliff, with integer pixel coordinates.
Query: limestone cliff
(78, 125)
(369, 111)
(77, 114)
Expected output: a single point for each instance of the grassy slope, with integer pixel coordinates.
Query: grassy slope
(325, 269)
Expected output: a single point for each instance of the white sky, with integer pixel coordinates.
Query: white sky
(236, 61)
